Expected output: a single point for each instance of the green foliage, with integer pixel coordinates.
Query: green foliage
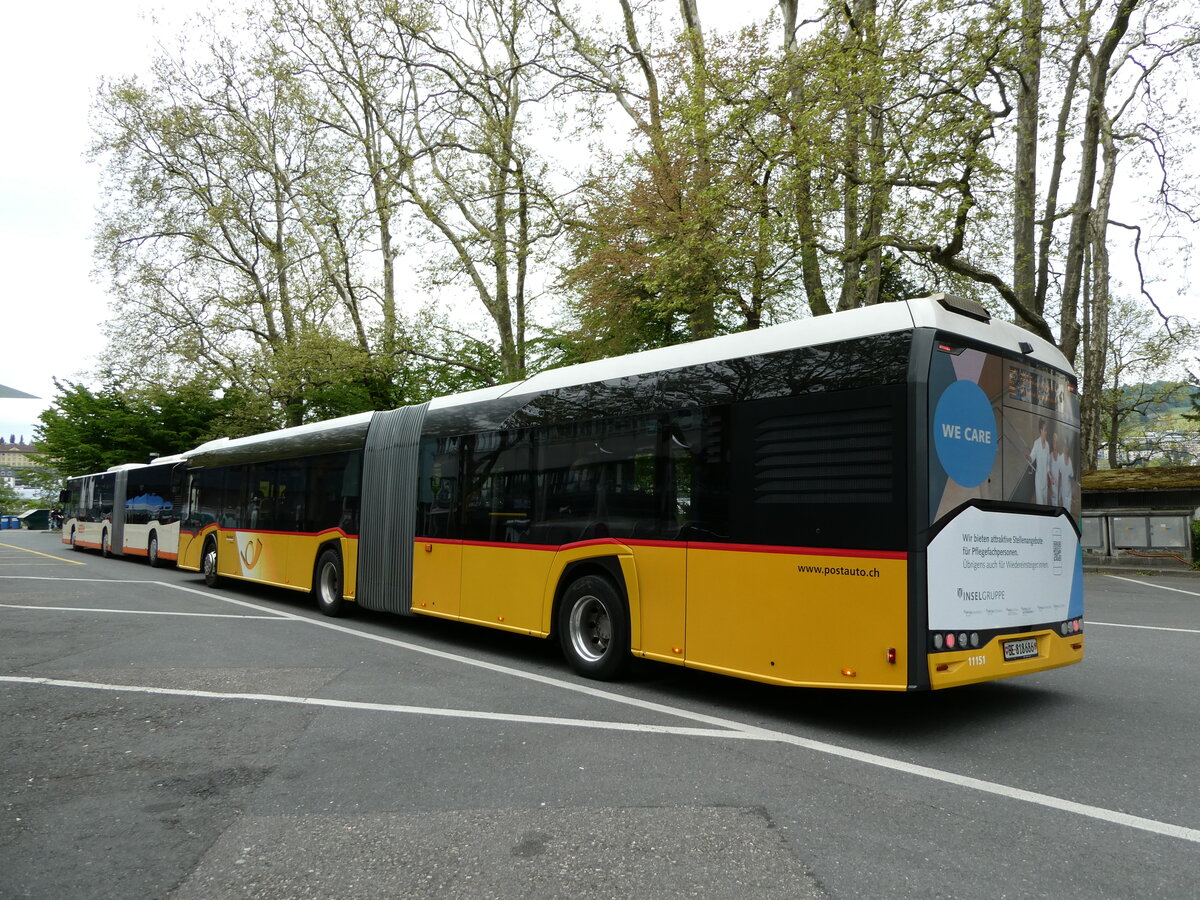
(88, 431)
(10, 503)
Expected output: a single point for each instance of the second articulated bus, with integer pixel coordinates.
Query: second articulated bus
(883, 498)
(128, 510)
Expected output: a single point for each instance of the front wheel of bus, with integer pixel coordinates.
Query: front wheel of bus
(327, 585)
(152, 552)
(593, 628)
(74, 542)
(208, 563)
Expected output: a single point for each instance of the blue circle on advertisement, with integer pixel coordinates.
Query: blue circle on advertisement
(964, 433)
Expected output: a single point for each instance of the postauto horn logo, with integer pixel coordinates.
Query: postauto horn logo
(964, 433)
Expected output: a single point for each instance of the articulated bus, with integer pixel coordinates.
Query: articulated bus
(127, 510)
(882, 498)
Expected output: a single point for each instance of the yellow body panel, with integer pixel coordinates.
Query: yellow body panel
(190, 546)
(777, 617)
(350, 567)
(785, 618)
(504, 586)
(283, 560)
(662, 612)
(987, 663)
(437, 578)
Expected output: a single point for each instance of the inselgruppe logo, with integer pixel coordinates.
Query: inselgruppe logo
(964, 433)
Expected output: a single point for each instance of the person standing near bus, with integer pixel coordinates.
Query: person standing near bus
(1039, 457)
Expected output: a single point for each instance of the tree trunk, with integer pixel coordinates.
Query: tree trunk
(1081, 212)
(1025, 164)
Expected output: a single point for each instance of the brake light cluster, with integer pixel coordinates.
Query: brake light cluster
(955, 640)
(1071, 626)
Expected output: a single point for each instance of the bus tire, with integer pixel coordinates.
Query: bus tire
(208, 563)
(74, 542)
(593, 628)
(105, 547)
(327, 583)
(152, 552)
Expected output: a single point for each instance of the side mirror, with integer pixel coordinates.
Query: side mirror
(64, 496)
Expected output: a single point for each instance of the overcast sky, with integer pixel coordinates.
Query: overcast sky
(52, 311)
(52, 59)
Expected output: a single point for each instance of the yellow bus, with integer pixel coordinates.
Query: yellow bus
(882, 498)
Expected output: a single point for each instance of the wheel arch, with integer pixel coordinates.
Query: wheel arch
(334, 543)
(613, 563)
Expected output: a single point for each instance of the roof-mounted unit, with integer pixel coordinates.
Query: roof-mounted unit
(963, 306)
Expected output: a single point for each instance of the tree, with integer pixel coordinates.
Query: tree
(1142, 371)
(10, 501)
(203, 239)
(477, 88)
(87, 430)
(253, 178)
(682, 235)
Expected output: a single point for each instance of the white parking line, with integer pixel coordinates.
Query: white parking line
(1089, 623)
(721, 728)
(391, 708)
(143, 612)
(1161, 587)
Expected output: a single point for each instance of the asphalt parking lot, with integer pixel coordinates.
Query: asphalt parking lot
(163, 739)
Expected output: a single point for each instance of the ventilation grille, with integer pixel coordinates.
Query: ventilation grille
(835, 456)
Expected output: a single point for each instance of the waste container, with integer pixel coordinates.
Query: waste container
(35, 519)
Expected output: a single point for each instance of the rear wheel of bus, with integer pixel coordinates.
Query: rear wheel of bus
(327, 583)
(593, 628)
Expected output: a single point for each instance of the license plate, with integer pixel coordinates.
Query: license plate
(1023, 648)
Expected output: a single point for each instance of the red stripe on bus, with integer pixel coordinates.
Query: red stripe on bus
(681, 545)
(804, 551)
(208, 529)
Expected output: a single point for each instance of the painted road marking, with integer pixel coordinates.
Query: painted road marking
(74, 562)
(1089, 623)
(732, 731)
(143, 612)
(1161, 587)
(720, 727)
(389, 707)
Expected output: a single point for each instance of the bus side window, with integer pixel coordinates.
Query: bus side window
(290, 507)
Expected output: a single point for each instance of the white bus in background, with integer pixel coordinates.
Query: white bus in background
(127, 510)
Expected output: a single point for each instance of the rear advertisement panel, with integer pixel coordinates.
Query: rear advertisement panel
(999, 571)
(1003, 430)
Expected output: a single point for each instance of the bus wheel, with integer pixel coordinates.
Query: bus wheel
(593, 628)
(327, 586)
(74, 543)
(152, 552)
(105, 548)
(208, 563)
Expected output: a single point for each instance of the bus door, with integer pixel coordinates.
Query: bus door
(437, 556)
(661, 551)
(503, 572)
